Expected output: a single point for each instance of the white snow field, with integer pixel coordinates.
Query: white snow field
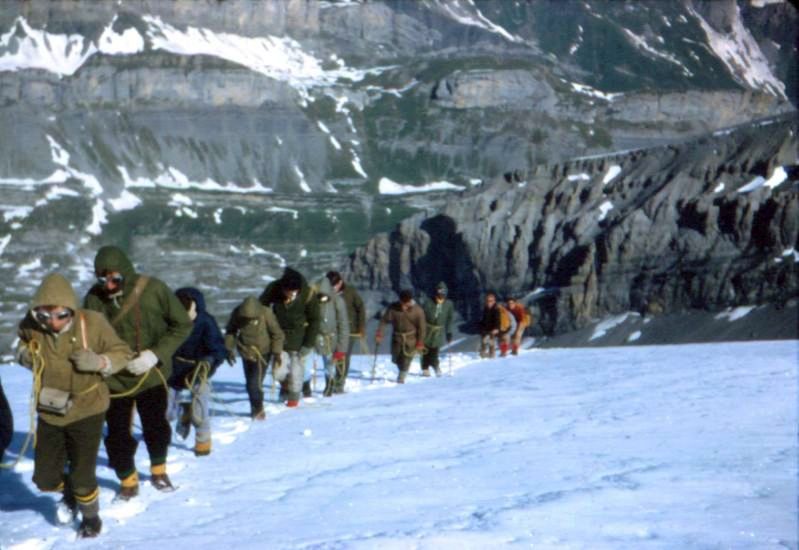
(691, 446)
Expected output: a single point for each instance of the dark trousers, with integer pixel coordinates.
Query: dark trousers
(120, 443)
(6, 423)
(403, 362)
(430, 359)
(341, 377)
(73, 446)
(254, 374)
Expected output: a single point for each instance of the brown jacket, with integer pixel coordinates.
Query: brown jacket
(409, 327)
(254, 325)
(88, 329)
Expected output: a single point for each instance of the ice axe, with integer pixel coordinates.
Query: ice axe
(374, 361)
(313, 374)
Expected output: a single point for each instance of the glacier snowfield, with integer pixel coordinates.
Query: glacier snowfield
(690, 446)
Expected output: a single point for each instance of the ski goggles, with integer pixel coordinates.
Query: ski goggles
(116, 279)
(43, 316)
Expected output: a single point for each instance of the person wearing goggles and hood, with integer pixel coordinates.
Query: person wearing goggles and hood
(150, 318)
(72, 353)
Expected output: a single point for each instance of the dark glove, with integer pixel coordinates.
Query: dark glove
(449, 337)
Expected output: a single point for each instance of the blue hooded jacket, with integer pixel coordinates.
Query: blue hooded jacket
(205, 343)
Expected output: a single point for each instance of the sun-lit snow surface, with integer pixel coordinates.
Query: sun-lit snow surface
(615, 448)
(466, 12)
(609, 324)
(589, 91)
(60, 53)
(641, 43)
(733, 314)
(611, 174)
(389, 187)
(740, 52)
(777, 177)
(787, 253)
(281, 58)
(604, 208)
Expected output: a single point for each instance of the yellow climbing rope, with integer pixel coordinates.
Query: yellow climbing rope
(38, 369)
(263, 364)
(140, 383)
(404, 345)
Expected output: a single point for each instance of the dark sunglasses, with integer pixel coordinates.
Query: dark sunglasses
(116, 279)
(44, 316)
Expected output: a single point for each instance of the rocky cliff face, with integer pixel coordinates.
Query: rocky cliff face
(710, 223)
(299, 95)
(218, 141)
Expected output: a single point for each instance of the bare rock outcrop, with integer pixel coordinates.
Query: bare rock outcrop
(708, 224)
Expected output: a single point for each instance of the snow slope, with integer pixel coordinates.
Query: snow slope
(643, 447)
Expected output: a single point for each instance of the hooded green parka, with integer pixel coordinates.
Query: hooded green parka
(157, 321)
(298, 319)
(252, 324)
(439, 317)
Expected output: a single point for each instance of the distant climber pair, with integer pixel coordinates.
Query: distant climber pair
(504, 324)
(418, 330)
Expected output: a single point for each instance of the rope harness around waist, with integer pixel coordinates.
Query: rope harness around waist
(405, 340)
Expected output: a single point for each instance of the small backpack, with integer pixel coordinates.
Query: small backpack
(504, 319)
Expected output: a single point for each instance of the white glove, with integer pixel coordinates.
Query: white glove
(280, 369)
(144, 362)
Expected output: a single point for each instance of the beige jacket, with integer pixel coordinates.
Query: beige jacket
(88, 330)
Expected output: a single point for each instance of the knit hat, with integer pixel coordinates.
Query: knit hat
(291, 280)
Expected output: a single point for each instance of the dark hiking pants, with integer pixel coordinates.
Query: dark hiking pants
(430, 359)
(74, 446)
(120, 444)
(254, 378)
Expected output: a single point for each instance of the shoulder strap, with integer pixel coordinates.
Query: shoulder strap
(83, 337)
(132, 299)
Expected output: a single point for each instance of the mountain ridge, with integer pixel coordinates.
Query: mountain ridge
(703, 224)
